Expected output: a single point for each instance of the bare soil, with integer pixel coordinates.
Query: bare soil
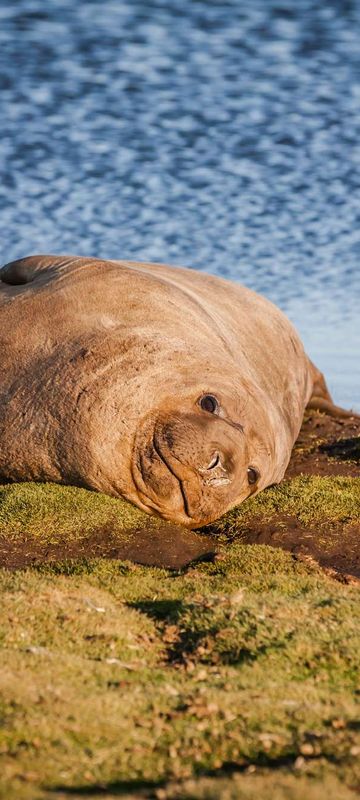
(326, 446)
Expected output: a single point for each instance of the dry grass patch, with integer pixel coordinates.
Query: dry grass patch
(232, 678)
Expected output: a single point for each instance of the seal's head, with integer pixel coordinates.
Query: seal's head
(192, 464)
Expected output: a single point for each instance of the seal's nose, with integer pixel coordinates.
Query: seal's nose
(218, 476)
(215, 461)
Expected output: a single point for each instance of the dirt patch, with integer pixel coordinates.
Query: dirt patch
(168, 546)
(336, 547)
(326, 446)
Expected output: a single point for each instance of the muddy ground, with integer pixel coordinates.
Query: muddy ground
(326, 446)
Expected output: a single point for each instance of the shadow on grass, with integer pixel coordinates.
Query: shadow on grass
(161, 610)
(140, 788)
(148, 789)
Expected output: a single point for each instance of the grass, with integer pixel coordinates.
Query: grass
(232, 679)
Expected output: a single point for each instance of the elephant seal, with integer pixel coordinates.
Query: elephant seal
(179, 391)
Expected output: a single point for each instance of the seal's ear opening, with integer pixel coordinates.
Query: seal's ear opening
(17, 273)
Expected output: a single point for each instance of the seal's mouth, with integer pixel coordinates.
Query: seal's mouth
(188, 483)
(158, 480)
(169, 466)
(215, 474)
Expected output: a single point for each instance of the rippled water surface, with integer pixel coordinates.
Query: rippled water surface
(219, 135)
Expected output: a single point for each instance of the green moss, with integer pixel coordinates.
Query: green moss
(49, 511)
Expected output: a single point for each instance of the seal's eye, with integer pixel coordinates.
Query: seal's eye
(209, 403)
(253, 475)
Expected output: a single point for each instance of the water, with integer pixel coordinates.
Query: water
(218, 134)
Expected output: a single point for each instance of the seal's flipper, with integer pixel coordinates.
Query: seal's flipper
(25, 270)
(320, 404)
(17, 273)
(321, 399)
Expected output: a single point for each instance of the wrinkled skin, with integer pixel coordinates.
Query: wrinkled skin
(106, 374)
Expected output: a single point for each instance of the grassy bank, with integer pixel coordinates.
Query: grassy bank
(234, 678)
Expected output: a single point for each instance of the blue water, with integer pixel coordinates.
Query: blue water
(218, 134)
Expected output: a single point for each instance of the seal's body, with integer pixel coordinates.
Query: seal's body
(182, 392)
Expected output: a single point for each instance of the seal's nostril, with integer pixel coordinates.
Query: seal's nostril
(215, 461)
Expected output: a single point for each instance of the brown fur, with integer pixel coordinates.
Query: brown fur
(104, 362)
